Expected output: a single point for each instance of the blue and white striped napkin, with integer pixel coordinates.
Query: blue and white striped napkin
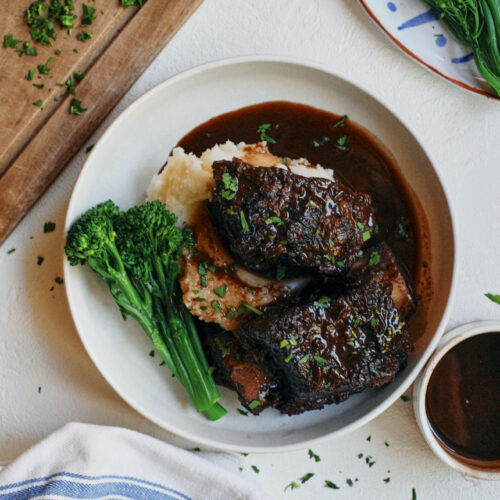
(90, 461)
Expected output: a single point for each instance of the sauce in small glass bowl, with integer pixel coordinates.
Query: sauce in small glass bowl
(457, 400)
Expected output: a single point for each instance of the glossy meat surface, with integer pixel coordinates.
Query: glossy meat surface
(272, 219)
(326, 349)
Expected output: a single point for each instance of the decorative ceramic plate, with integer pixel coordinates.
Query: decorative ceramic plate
(415, 29)
(120, 168)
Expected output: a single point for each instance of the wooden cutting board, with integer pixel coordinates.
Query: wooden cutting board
(37, 142)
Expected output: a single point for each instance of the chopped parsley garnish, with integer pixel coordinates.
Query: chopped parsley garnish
(85, 35)
(246, 305)
(360, 225)
(387, 480)
(405, 398)
(322, 302)
(221, 290)
(321, 142)
(216, 306)
(88, 15)
(231, 313)
(374, 259)
(319, 359)
(349, 482)
(369, 438)
(38, 103)
(12, 250)
(152, 354)
(375, 372)
(49, 227)
(255, 469)
(313, 456)
(387, 444)
(493, 298)
(244, 223)
(9, 42)
(131, 3)
(280, 272)
(39, 389)
(413, 494)
(373, 322)
(76, 107)
(341, 122)
(241, 412)
(331, 485)
(289, 357)
(59, 280)
(39, 85)
(293, 341)
(262, 131)
(274, 220)
(89, 148)
(30, 74)
(341, 143)
(304, 359)
(230, 185)
(360, 455)
(253, 404)
(402, 231)
(306, 477)
(39, 260)
(202, 270)
(284, 343)
(224, 349)
(366, 235)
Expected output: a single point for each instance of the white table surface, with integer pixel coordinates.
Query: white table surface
(39, 347)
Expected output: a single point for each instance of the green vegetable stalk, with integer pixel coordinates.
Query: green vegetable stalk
(475, 24)
(136, 253)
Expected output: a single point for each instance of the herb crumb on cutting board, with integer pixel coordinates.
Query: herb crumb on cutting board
(45, 21)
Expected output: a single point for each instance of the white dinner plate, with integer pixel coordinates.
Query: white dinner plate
(120, 168)
(415, 29)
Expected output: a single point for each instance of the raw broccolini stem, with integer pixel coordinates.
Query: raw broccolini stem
(475, 24)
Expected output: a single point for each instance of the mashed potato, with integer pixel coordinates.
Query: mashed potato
(224, 292)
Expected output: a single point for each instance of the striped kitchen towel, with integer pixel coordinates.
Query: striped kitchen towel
(98, 462)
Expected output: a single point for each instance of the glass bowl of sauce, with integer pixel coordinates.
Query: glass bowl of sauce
(457, 400)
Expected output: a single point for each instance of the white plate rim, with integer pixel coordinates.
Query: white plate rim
(420, 61)
(410, 378)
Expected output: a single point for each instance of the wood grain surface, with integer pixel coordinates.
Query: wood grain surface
(36, 144)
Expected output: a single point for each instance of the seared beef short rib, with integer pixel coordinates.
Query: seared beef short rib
(271, 218)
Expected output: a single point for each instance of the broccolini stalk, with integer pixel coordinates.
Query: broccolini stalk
(136, 253)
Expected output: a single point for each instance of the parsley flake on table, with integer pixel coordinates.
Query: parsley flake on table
(39, 260)
(493, 298)
(292, 485)
(49, 227)
(59, 280)
(27, 50)
(38, 103)
(255, 469)
(386, 480)
(12, 250)
(349, 482)
(313, 456)
(30, 74)
(331, 485)
(262, 131)
(306, 477)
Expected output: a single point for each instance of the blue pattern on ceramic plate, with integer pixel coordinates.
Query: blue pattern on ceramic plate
(440, 40)
(424, 18)
(392, 6)
(463, 59)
